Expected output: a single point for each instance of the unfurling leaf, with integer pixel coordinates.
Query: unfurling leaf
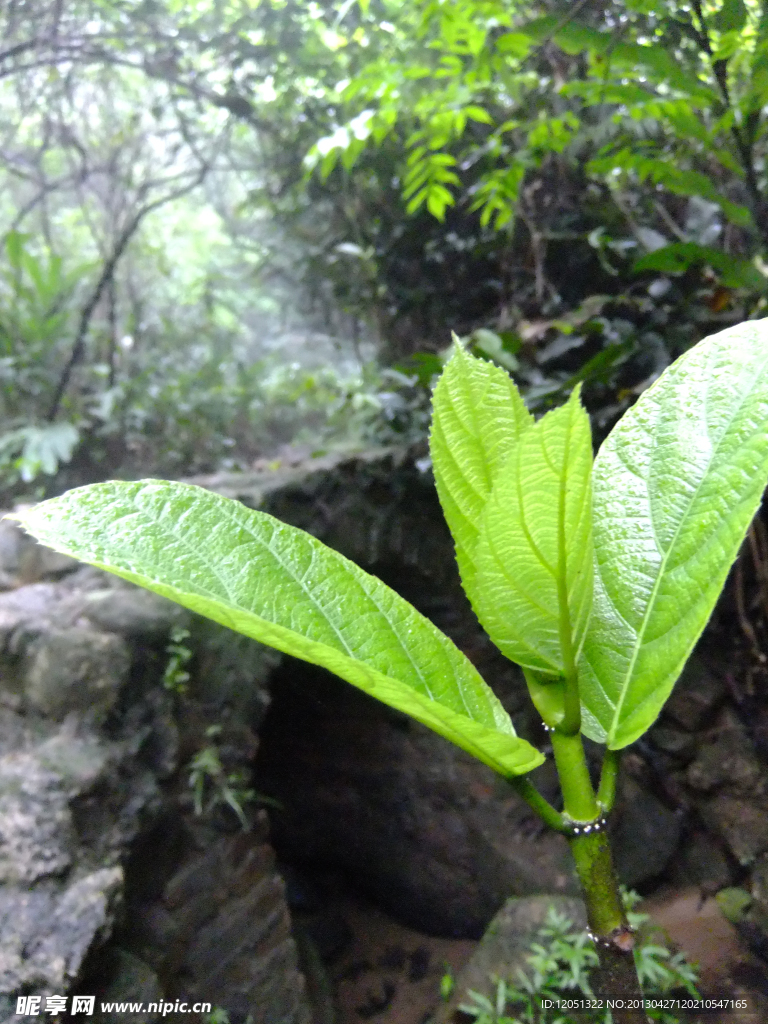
(478, 415)
(533, 584)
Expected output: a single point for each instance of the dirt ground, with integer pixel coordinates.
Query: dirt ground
(390, 974)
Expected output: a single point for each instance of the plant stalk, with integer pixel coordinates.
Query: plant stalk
(616, 977)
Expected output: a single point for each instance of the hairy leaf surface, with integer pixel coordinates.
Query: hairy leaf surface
(533, 590)
(281, 586)
(676, 485)
(478, 415)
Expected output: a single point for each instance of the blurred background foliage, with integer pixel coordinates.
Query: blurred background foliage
(235, 229)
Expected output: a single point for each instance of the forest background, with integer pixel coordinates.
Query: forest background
(230, 225)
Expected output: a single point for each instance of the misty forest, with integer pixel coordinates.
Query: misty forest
(237, 238)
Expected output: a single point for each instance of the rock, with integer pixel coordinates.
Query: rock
(505, 946)
(741, 823)
(728, 760)
(680, 744)
(36, 830)
(51, 660)
(131, 613)
(644, 834)
(24, 561)
(124, 978)
(233, 672)
(77, 670)
(220, 929)
(423, 827)
(700, 862)
(60, 847)
(697, 693)
(46, 932)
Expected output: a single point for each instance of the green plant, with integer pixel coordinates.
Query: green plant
(212, 785)
(28, 451)
(175, 676)
(597, 582)
(559, 967)
(218, 1015)
(668, 93)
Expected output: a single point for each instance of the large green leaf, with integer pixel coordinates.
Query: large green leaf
(281, 586)
(676, 484)
(477, 417)
(533, 589)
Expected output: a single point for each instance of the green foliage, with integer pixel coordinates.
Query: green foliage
(26, 452)
(676, 485)
(36, 295)
(176, 676)
(681, 256)
(218, 1015)
(212, 786)
(559, 966)
(533, 588)
(670, 96)
(279, 585)
(478, 418)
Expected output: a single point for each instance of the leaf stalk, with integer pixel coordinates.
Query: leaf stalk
(579, 801)
(606, 793)
(538, 803)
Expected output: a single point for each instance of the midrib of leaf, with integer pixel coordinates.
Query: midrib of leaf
(564, 623)
(524, 524)
(314, 602)
(521, 590)
(584, 507)
(662, 565)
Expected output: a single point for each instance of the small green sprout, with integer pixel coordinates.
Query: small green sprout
(176, 677)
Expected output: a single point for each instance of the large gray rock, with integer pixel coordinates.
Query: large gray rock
(36, 829)
(60, 873)
(74, 670)
(47, 932)
(644, 834)
(23, 560)
(424, 827)
(505, 948)
(727, 759)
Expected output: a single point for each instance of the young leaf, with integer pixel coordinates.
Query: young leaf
(477, 417)
(676, 485)
(281, 586)
(533, 585)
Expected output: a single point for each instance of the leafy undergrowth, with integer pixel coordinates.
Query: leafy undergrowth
(559, 967)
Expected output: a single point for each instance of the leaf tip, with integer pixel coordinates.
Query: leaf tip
(458, 344)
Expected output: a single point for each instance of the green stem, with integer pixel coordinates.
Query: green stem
(579, 802)
(616, 978)
(543, 808)
(617, 975)
(606, 794)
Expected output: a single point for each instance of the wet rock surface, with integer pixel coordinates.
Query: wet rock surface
(424, 828)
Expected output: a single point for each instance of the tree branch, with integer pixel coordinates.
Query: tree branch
(104, 281)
